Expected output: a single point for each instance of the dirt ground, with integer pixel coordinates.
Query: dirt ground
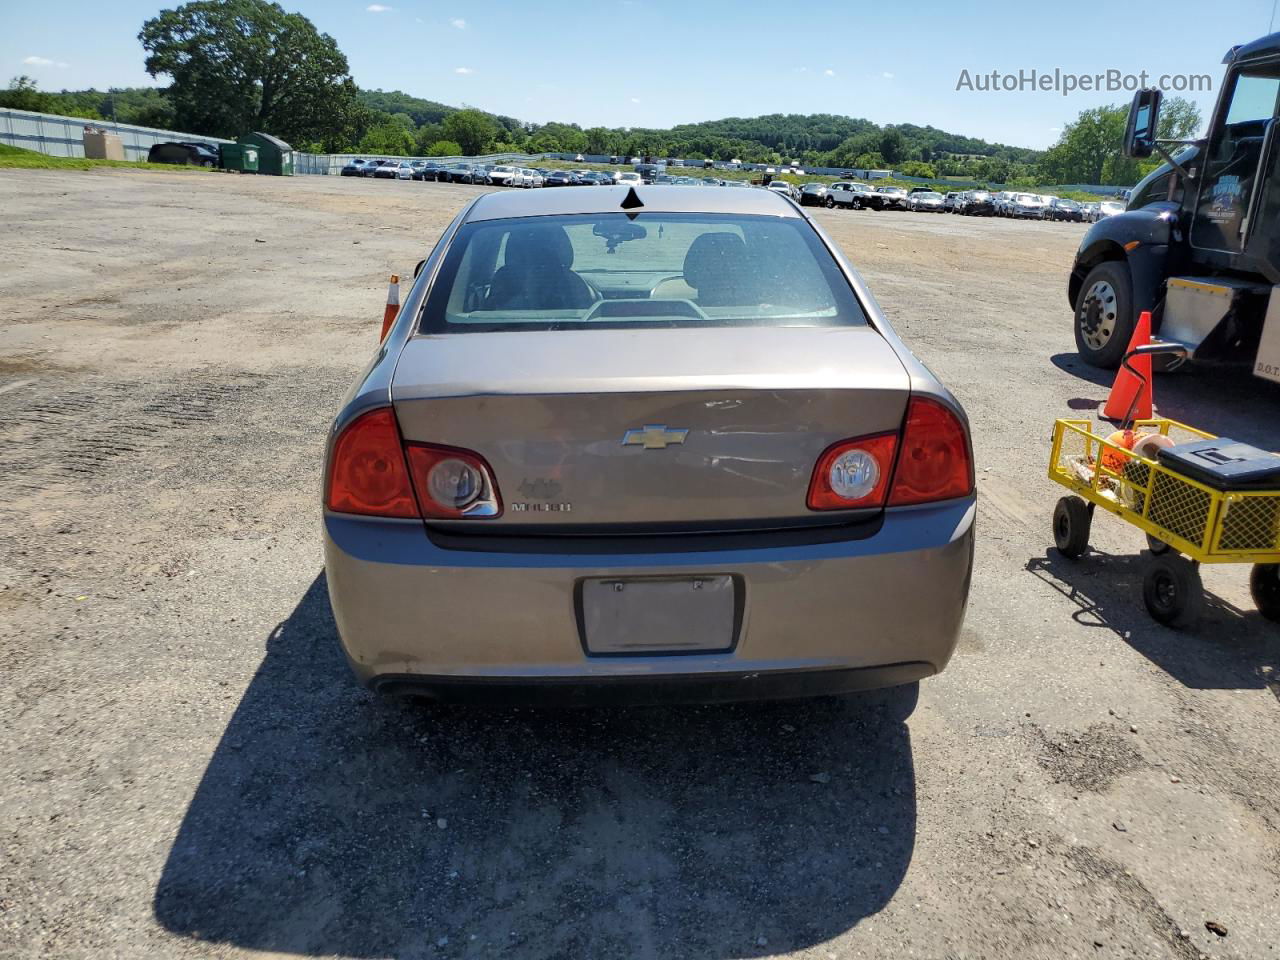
(188, 770)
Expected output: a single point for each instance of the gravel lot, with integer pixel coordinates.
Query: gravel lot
(189, 770)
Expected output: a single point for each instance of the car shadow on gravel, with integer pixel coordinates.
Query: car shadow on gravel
(1230, 649)
(331, 822)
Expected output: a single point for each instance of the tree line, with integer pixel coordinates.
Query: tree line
(242, 65)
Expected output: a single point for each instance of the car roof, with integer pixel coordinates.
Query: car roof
(662, 199)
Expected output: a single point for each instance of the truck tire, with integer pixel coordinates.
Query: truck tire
(1104, 315)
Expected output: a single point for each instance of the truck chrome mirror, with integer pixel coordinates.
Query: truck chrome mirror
(1144, 121)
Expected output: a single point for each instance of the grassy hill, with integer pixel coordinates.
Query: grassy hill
(397, 122)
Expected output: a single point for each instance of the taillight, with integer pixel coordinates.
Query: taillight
(934, 462)
(367, 472)
(853, 473)
(452, 483)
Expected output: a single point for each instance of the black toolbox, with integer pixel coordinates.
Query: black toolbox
(1224, 464)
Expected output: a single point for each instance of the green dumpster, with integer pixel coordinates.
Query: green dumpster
(275, 157)
(240, 157)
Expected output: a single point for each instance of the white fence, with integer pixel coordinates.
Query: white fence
(64, 136)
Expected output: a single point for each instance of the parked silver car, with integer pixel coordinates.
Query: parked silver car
(524, 177)
(926, 202)
(661, 448)
(1028, 206)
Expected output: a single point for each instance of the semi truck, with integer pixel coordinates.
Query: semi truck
(1199, 242)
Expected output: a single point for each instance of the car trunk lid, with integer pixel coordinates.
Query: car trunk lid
(699, 428)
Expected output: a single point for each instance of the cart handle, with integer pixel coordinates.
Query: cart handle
(1148, 349)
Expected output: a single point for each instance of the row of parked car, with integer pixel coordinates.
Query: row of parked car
(1007, 203)
(491, 174)
(851, 194)
(509, 175)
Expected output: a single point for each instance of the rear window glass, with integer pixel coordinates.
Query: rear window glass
(653, 269)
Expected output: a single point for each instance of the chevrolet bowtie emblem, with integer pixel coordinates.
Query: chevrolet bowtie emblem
(653, 436)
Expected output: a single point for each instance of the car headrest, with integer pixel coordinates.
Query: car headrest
(543, 245)
(711, 256)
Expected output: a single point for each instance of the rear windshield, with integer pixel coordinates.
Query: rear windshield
(652, 269)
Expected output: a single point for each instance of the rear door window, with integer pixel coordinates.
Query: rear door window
(677, 270)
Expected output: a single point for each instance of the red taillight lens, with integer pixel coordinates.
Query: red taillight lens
(367, 472)
(934, 463)
(452, 483)
(853, 473)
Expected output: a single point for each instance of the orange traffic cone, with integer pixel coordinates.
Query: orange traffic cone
(1131, 396)
(393, 306)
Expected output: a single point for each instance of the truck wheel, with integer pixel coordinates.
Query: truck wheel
(1264, 584)
(1071, 522)
(1104, 315)
(1173, 592)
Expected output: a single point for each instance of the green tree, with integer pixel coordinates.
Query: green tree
(23, 95)
(445, 148)
(893, 146)
(1089, 148)
(599, 140)
(993, 169)
(241, 65)
(1179, 118)
(388, 137)
(472, 129)
(914, 168)
(545, 142)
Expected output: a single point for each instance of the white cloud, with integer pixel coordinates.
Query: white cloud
(464, 71)
(801, 69)
(635, 99)
(828, 72)
(379, 8)
(887, 75)
(458, 23)
(44, 62)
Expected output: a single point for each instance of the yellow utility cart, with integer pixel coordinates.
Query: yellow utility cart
(1187, 522)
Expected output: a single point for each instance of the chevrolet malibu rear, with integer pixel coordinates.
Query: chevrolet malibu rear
(642, 443)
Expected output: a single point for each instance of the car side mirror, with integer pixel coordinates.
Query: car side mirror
(1144, 121)
(418, 269)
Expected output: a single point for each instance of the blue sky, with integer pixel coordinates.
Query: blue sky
(656, 63)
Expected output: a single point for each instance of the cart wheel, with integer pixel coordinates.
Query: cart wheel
(1071, 521)
(1264, 584)
(1173, 592)
(1157, 546)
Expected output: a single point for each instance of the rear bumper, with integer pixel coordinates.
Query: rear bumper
(883, 608)
(614, 691)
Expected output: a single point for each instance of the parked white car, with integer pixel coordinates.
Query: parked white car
(1027, 206)
(628, 179)
(524, 177)
(500, 175)
(786, 189)
(1108, 208)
